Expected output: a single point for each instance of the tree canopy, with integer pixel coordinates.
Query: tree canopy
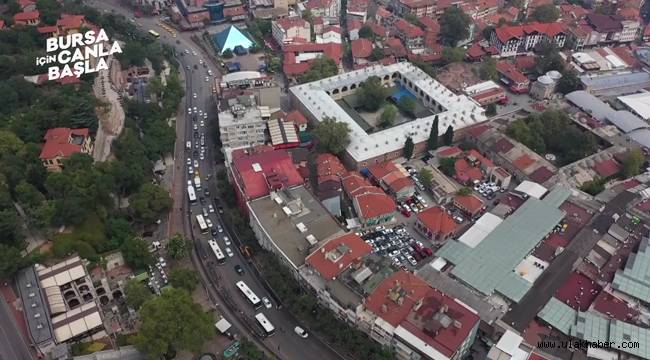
(136, 253)
(448, 136)
(453, 54)
(172, 322)
(432, 142)
(371, 94)
(569, 82)
(136, 293)
(448, 166)
(633, 162)
(488, 70)
(333, 136)
(387, 117)
(408, 148)
(186, 279)
(546, 13)
(177, 247)
(321, 68)
(426, 177)
(366, 32)
(454, 25)
(150, 202)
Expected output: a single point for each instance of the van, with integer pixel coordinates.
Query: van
(188, 145)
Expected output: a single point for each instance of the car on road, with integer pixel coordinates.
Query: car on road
(207, 79)
(301, 332)
(189, 183)
(189, 161)
(239, 269)
(209, 222)
(196, 164)
(213, 231)
(202, 157)
(201, 61)
(196, 134)
(226, 240)
(190, 170)
(196, 127)
(187, 51)
(195, 109)
(229, 252)
(267, 302)
(210, 72)
(194, 95)
(193, 52)
(218, 226)
(195, 153)
(211, 210)
(189, 111)
(187, 67)
(201, 123)
(205, 212)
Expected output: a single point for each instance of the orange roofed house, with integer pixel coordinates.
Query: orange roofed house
(435, 223)
(60, 143)
(511, 40)
(337, 255)
(372, 205)
(392, 178)
(418, 321)
(30, 18)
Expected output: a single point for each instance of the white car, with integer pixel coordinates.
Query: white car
(201, 123)
(202, 156)
(201, 61)
(193, 52)
(207, 79)
(189, 111)
(189, 183)
(189, 161)
(195, 109)
(211, 209)
(196, 127)
(187, 51)
(226, 240)
(190, 170)
(267, 302)
(301, 332)
(194, 95)
(229, 252)
(196, 164)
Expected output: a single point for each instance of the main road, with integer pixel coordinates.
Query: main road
(285, 343)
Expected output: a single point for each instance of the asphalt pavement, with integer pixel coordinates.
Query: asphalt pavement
(12, 345)
(285, 343)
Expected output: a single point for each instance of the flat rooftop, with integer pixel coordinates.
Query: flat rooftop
(283, 230)
(490, 266)
(459, 111)
(34, 306)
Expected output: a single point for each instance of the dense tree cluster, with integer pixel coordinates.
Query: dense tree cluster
(321, 68)
(553, 132)
(371, 94)
(333, 136)
(454, 25)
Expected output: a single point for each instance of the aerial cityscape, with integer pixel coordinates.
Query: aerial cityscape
(324, 179)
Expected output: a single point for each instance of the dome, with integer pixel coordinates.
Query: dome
(554, 75)
(544, 79)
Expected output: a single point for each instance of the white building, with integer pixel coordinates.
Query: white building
(242, 126)
(519, 39)
(285, 30)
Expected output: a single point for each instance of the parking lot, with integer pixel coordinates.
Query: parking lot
(397, 244)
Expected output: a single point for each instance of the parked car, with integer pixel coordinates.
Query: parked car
(229, 252)
(301, 332)
(239, 269)
(267, 302)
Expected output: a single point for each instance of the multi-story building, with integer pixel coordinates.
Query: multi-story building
(30, 18)
(393, 178)
(417, 8)
(412, 36)
(509, 75)
(60, 143)
(325, 8)
(243, 126)
(372, 206)
(436, 224)
(599, 29)
(418, 321)
(511, 40)
(286, 30)
(299, 57)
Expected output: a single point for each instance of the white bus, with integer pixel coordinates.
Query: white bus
(191, 194)
(249, 294)
(269, 330)
(202, 225)
(221, 259)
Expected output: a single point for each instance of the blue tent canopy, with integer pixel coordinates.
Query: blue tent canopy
(231, 38)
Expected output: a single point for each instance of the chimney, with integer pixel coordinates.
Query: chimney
(384, 308)
(418, 304)
(458, 324)
(443, 309)
(400, 301)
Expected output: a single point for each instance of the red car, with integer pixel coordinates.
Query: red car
(405, 212)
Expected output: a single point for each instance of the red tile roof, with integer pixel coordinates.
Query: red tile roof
(372, 204)
(69, 21)
(384, 300)
(336, 255)
(47, 29)
(465, 172)
(391, 175)
(382, 12)
(291, 22)
(296, 117)
(234, 11)
(482, 159)
(353, 182)
(329, 167)
(394, 47)
(470, 203)
(57, 142)
(361, 48)
(607, 168)
(25, 3)
(478, 130)
(578, 291)
(507, 32)
(277, 170)
(616, 308)
(503, 145)
(475, 51)
(26, 16)
(291, 67)
(318, 4)
(430, 24)
(541, 175)
(523, 162)
(525, 63)
(379, 30)
(604, 23)
(449, 152)
(2, 24)
(536, 356)
(437, 220)
(354, 24)
(510, 71)
(408, 29)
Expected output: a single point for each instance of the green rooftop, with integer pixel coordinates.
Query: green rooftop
(489, 266)
(634, 280)
(559, 315)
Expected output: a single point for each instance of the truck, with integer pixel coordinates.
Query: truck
(224, 326)
(197, 182)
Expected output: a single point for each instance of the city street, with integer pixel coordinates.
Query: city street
(285, 343)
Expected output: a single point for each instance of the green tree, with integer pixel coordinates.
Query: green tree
(465, 191)
(491, 109)
(171, 323)
(10, 261)
(409, 146)
(274, 64)
(407, 105)
(454, 25)
(177, 247)
(136, 253)
(453, 54)
(366, 32)
(249, 351)
(387, 117)
(448, 166)
(50, 11)
(633, 162)
(547, 13)
(594, 187)
(426, 177)
(186, 279)
(432, 142)
(333, 136)
(448, 136)
(227, 54)
(117, 231)
(548, 58)
(569, 82)
(136, 293)
(150, 202)
(28, 195)
(371, 94)
(487, 32)
(488, 70)
(321, 68)
(10, 231)
(376, 54)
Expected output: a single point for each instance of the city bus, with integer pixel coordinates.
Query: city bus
(202, 224)
(221, 259)
(249, 294)
(191, 194)
(154, 33)
(269, 330)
